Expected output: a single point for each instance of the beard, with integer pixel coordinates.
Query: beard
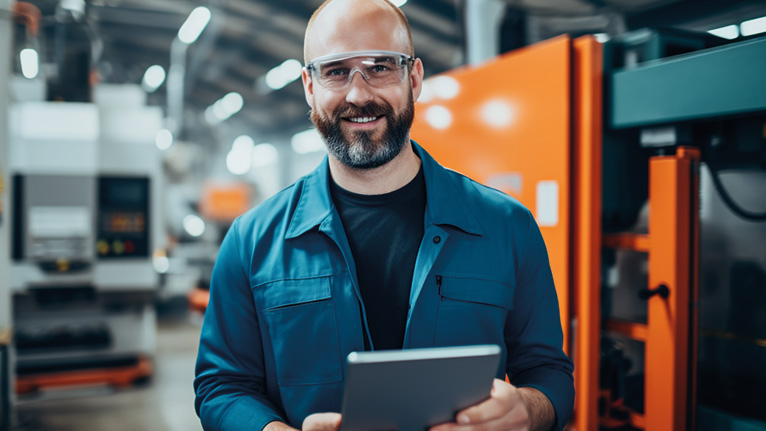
(361, 151)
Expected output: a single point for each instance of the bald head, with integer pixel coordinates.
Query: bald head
(356, 25)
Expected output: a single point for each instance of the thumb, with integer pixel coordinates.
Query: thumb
(322, 422)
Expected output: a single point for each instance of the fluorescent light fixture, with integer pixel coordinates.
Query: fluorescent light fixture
(237, 164)
(753, 26)
(163, 139)
(193, 225)
(232, 103)
(30, 64)
(220, 111)
(242, 145)
(194, 25)
(285, 73)
(224, 108)
(307, 141)
(264, 155)
(153, 78)
(728, 32)
(438, 117)
(239, 159)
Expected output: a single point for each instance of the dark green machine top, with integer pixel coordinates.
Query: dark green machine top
(719, 81)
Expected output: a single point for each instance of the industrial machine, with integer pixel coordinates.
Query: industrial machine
(644, 163)
(86, 181)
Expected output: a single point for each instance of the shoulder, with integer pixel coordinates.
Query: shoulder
(270, 217)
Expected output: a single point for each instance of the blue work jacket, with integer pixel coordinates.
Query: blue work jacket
(285, 308)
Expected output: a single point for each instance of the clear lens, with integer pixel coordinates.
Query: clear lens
(378, 70)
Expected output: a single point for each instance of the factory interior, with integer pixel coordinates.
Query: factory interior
(633, 130)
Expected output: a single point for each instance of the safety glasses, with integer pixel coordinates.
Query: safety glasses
(378, 68)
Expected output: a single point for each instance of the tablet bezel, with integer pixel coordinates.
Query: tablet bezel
(415, 371)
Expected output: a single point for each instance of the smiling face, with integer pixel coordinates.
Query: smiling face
(363, 126)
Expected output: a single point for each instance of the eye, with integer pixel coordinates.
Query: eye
(379, 68)
(335, 72)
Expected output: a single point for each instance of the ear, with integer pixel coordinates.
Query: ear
(416, 78)
(308, 85)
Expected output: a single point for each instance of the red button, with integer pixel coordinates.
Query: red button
(129, 247)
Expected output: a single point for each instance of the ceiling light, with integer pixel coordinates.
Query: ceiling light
(232, 103)
(438, 117)
(194, 225)
(285, 73)
(219, 110)
(163, 139)
(426, 92)
(239, 159)
(194, 25)
(728, 32)
(445, 87)
(307, 141)
(224, 108)
(237, 164)
(753, 26)
(242, 144)
(30, 64)
(264, 155)
(153, 78)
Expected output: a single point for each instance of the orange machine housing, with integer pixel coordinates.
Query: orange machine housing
(529, 123)
(507, 124)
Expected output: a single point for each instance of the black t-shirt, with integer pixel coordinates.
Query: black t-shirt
(384, 232)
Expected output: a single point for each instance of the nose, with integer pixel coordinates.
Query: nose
(359, 92)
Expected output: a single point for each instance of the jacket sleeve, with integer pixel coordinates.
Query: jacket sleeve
(533, 330)
(230, 381)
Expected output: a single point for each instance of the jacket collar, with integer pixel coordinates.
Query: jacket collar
(445, 203)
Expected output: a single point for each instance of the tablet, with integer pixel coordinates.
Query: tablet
(414, 389)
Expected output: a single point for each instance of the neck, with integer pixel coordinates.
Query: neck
(383, 179)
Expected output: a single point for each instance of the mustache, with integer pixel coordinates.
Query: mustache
(371, 109)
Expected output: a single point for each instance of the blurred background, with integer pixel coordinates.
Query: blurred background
(133, 132)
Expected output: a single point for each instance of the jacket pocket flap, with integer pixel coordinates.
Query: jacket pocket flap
(285, 293)
(482, 291)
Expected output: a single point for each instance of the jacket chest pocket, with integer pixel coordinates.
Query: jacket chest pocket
(300, 316)
(472, 310)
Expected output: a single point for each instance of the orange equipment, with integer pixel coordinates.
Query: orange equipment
(225, 202)
(118, 376)
(508, 126)
(530, 124)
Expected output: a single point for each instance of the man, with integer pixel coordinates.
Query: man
(379, 248)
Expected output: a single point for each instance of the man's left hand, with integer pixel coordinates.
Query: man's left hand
(508, 409)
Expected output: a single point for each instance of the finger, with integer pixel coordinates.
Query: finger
(322, 422)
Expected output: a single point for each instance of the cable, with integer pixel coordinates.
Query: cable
(733, 206)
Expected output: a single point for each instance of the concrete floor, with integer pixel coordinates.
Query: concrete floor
(164, 404)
